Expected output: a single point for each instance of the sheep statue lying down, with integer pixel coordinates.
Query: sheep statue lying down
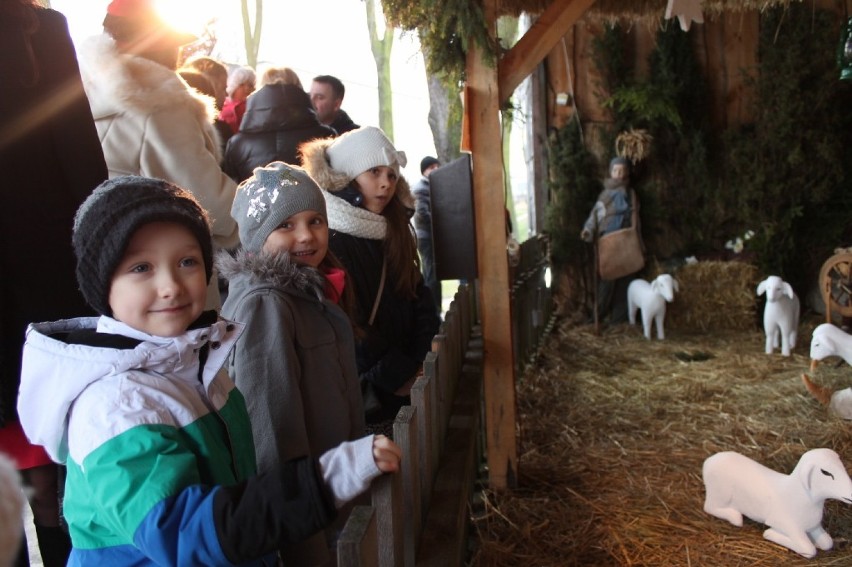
(791, 505)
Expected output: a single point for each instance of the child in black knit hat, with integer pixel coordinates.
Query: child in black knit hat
(156, 438)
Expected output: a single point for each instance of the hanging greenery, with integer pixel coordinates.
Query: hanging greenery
(574, 187)
(448, 29)
(791, 169)
(675, 180)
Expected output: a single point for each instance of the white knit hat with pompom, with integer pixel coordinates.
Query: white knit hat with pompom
(362, 149)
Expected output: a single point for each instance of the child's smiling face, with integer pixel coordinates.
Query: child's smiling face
(304, 235)
(160, 285)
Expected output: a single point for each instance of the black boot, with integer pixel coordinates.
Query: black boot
(54, 545)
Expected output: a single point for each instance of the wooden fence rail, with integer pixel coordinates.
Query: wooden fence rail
(419, 516)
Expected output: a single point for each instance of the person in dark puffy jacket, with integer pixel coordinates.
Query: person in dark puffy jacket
(279, 117)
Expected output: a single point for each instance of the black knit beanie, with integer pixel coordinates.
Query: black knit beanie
(107, 219)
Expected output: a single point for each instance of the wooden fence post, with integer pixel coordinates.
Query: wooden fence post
(405, 435)
(420, 400)
(387, 503)
(357, 546)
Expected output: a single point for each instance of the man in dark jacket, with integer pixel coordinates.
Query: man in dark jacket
(278, 119)
(423, 226)
(327, 94)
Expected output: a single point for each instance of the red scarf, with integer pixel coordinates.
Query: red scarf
(336, 280)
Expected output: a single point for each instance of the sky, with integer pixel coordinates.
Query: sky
(319, 37)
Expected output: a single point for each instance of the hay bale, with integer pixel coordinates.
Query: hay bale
(714, 296)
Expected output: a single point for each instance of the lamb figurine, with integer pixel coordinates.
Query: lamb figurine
(827, 340)
(781, 314)
(791, 505)
(651, 298)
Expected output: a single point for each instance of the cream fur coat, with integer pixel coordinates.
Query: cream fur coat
(150, 123)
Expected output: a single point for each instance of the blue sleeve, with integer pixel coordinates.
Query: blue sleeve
(237, 524)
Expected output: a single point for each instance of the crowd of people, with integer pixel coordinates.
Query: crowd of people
(214, 300)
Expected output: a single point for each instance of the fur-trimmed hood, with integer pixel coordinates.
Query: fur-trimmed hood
(116, 82)
(315, 161)
(272, 269)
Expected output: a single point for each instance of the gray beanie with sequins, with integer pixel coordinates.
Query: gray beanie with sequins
(269, 197)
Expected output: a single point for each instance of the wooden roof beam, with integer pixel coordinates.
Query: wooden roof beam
(537, 42)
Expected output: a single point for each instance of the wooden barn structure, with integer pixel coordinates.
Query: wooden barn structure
(495, 325)
(555, 51)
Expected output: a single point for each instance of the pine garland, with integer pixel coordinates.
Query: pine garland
(448, 29)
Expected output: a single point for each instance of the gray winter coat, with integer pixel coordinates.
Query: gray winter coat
(295, 365)
(295, 362)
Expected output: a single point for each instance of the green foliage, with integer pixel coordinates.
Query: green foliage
(646, 103)
(689, 219)
(574, 187)
(448, 29)
(684, 207)
(791, 169)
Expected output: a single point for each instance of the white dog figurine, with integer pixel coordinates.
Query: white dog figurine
(781, 314)
(791, 505)
(826, 341)
(651, 298)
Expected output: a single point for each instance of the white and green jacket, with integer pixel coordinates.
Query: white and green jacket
(159, 448)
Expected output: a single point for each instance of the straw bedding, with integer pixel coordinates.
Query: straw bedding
(613, 433)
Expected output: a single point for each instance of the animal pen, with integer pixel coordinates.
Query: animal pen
(614, 429)
(595, 441)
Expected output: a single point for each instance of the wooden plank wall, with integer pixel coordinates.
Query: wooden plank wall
(726, 45)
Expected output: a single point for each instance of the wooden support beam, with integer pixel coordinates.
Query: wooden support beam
(483, 116)
(537, 42)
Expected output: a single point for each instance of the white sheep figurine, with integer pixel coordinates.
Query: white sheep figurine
(781, 314)
(791, 505)
(828, 340)
(651, 298)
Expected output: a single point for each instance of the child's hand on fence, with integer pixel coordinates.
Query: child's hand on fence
(386, 453)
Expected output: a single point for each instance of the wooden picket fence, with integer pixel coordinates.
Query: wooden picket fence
(419, 516)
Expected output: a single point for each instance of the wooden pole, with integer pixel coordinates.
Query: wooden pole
(483, 114)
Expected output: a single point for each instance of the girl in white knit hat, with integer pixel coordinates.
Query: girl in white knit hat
(369, 205)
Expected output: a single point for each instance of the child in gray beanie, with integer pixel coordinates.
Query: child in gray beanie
(369, 207)
(295, 362)
(156, 439)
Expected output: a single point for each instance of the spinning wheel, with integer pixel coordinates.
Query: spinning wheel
(835, 281)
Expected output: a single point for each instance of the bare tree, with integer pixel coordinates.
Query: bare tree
(445, 116)
(251, 36)
(381, 49)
